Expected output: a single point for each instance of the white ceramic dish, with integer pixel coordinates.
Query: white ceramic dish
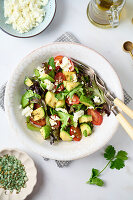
(15, 88)
(31, 174)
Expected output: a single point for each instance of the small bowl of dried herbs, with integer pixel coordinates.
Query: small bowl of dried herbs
(18, 174)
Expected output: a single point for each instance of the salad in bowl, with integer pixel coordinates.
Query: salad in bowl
(61, 103)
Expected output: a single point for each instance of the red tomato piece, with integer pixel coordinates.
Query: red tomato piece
(97, 118)
(41, 122)
(72, 66)
(57, 125)
(36, 105)
(74, 100)
(59, 78)
(58, 58)
(76, 133)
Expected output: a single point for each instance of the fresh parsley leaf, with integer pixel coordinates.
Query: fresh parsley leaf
(115, 161)
(85, 133)
(117, 164)
(122, 155)
(52, 73)
(61, 95)
(51, 63)
(96, 181)
(78, 90)
(64, 117)
(94, 173)
(79, 107)
(52, 111)
(109, 152)
(76, 69)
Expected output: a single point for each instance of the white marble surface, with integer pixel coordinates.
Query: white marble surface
(69, 183)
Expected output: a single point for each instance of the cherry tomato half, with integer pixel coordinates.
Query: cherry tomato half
(72, 66)
(59, 58)
(36, 105)
(57, 125)
(74, 100)
(76, 133)
(59, 78)
(97, 118)
(41, 122)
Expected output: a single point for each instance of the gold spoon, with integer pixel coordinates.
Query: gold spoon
(128, 47)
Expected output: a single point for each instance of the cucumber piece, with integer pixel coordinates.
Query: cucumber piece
(50, 99)
(85, 119)
(38, 114)
(85, 129)
(65, 136)
(46, 76)
(60, 103)
(28, 82)
(31, 126)
(25, 98)
(70, 85)
(45, 131)
(86, 101)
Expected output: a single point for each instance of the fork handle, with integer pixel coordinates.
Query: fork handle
(123, 107)
(125, 124)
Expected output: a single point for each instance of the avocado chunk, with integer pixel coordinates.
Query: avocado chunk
(45, 131)
(31, 126)
(70, 76)
(50, 99)
(60, 103)
(65, 136)
(85, 119)
(86, 101)
(70, 85)
(28, 82)
(85, 129)
(46, 76)
(38, 114)
(25, 98)
(36, 72)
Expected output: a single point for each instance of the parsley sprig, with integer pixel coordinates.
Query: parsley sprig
(115, 161)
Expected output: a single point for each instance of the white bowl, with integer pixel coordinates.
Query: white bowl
(30, 171)
(15, 88)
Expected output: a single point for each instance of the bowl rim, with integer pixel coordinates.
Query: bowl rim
(16, 36)
(29, 157)
(38, 151)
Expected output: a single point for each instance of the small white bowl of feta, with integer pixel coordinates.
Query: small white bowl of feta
(25, 19)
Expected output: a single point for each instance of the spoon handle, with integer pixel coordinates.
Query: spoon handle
(123, 107)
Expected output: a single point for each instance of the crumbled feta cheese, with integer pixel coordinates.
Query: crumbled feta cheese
(53, 120)
(50, 67)
(41, 70)
(27, 111)
(96, 99)
(77, 115)
(74, 78)
(82, 82)
(49, 85)
(61, 109)
(65, 65)
(24, 15)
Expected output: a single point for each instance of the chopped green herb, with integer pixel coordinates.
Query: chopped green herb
(77, 70)
(115, 161)
(62, 95)
(12, 173)
(78, 90)
(51, 63)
